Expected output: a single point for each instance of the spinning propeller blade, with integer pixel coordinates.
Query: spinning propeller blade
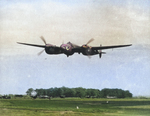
(45, 44)
(90, 41)
(43, 39)
(40, 52)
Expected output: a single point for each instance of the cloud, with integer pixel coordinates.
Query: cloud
(108, 24)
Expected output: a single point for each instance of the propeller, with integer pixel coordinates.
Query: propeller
(89, 41)
(40, 52)
(89, 56)
(42, 38)
(88, 48)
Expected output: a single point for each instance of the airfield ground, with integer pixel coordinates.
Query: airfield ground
(75, 107)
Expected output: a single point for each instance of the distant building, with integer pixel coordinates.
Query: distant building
(111, 97)
(43, 96)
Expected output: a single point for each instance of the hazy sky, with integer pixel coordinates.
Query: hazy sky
(109, 22)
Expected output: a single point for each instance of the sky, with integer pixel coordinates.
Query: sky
(109, 22)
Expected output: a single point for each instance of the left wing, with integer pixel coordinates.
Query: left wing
(43, 46)
(109, 47)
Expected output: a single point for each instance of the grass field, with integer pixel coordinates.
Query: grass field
(68, 107)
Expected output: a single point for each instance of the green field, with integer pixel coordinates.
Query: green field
(68, 107)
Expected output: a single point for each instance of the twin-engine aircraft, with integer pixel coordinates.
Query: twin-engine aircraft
(70, 48)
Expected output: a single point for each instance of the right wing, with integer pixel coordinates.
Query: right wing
(109, 47)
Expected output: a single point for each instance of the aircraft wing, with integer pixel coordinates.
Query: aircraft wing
(43, 46)
(109, 47)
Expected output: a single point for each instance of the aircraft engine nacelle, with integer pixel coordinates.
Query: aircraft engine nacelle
(88, 51)
(53, 50)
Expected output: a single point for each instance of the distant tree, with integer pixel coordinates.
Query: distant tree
(44, 91)
(119, 93)
(50, 91)
(56, 92)
(40, 91)
(127, 94)
(92, 92)
(104, 92)
(69, 92)
(80, 92)
(64, 90)
(60, 92)
(28, 92)
(88, 93)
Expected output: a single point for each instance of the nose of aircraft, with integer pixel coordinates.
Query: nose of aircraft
(66, 47)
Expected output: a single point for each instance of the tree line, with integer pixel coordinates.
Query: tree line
(80, 92)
